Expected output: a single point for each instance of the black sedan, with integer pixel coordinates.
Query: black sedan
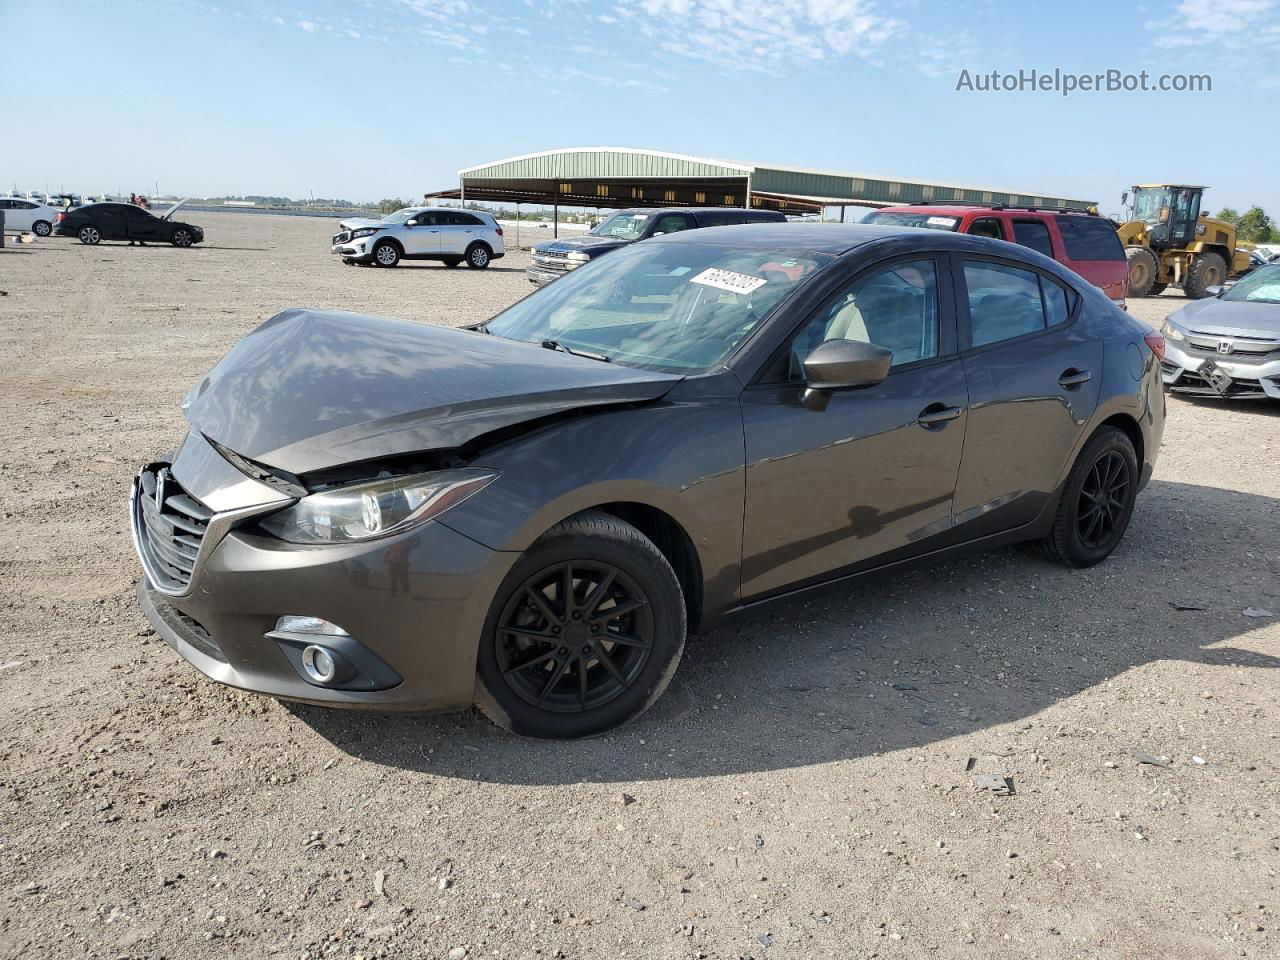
(531, 515)
(126, 221)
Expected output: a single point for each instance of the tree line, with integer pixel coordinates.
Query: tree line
(1252, 226)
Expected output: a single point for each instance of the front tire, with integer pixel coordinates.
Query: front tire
(1142, 271)
(1207, 270)
(42, 228)
(182, 237)
(386, 254)
(1097, 501)
(584, 634)
(89, 234)
(453, 262)
(478, 256)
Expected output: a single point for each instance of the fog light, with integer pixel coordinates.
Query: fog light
(320, 664)
(314, 625)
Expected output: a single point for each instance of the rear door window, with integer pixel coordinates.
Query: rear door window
(1033, 234)
(1004, 302)
(1087, 238)
(986, 227)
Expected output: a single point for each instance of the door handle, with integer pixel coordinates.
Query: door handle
(1071, 377)
(936, 413)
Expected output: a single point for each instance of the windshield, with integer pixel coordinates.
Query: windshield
(624, 226)
(929, 221)
(674, 307)
(1260, 286)
(400, 216)
(1151, 204)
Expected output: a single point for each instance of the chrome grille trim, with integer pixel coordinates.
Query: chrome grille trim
(174, 536)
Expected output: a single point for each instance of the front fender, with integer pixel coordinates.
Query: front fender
(683, 458)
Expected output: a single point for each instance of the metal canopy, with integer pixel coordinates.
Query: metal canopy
(614, 177)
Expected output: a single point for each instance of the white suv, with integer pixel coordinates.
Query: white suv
(421, 233)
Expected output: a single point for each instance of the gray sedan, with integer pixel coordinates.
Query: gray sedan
(1228, 345)
(531, 515)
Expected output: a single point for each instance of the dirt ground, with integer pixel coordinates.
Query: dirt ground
(802, 791)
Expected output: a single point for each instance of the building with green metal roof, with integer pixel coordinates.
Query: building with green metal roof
(613, 177)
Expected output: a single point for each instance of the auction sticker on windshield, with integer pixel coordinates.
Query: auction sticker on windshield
(728, 280)
(947, 222)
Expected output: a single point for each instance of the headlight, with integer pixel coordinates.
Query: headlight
(364, 232)
(578, 256)
(380, 508)
(1172, 331)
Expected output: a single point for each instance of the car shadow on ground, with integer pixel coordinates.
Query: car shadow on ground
(1264, 406)
(894, 660)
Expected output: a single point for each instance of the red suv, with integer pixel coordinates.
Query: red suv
(1085, 242)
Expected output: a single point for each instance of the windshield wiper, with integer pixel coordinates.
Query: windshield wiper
(557, 345)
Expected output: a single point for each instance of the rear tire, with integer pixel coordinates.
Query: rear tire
(89, 234)
(553, 662)
(1207, 270)
(42, 228)
(478, 256)
(1142, 271)
(1157, 289)
(1097, 501)
(453, 262)
(386, 254)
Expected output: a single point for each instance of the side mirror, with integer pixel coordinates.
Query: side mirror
(843, 365)
(411, 223)
(1215, 291)
(1124, 198)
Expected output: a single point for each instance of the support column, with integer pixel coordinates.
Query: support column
(555, 223)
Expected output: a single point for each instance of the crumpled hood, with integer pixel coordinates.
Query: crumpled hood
(1230, 318)
(586, 242)
(311, 389)
(355, 223)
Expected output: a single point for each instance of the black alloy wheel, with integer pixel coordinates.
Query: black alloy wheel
(584, 634)
(1097, 501)
(574, 636)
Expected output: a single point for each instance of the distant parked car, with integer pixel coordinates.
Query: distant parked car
(1228, 345)
(1083, 242)
(421, 233)
(21, 214)
(124, 221)
(554, 259)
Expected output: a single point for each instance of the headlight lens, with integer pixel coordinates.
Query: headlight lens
(578, 256)
(364, 232)
(1172, 331)
(379, 508)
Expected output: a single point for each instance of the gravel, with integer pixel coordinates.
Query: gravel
(145, 811)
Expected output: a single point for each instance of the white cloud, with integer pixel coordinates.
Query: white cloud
(766, 34)
(307, 25)
(1234, 24)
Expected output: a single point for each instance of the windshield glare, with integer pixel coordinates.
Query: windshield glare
(400, 216)
(624, 226)
(929, 221)
(674, 307)
(1261, 286)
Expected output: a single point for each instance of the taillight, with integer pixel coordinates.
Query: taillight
(59, 218)
(1156, 342)
(499, 231)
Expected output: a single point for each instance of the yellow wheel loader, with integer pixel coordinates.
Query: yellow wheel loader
(1169, 241)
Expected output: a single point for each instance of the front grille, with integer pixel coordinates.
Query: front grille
(1242, 349)
(552, 260)
(173, 525)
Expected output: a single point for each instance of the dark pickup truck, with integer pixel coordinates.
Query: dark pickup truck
(557, 257)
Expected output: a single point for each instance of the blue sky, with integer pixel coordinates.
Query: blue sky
(370, 98)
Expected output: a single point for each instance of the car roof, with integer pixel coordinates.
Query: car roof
(658, 210)
(960, 209)
(829, 238)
